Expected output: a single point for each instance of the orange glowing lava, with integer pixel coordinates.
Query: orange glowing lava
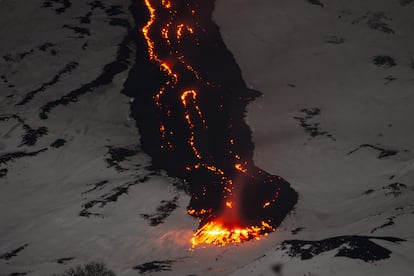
(216, 233)
(224, 229)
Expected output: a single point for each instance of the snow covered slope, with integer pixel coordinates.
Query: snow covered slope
(74, 184)
(334, 120)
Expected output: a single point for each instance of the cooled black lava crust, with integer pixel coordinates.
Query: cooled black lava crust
(223, 103)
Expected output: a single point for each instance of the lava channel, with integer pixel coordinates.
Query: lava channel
(190, 101)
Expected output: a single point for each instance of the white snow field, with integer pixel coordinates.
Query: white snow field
(334, 120)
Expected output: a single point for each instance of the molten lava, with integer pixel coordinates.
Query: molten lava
(215, 232)
(202, 135)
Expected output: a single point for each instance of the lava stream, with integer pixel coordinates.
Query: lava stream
(203, 139)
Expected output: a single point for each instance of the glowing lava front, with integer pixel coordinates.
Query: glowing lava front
(215, 232)
(204, 140)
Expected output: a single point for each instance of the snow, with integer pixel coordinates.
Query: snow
(278, 43)
(282, 50)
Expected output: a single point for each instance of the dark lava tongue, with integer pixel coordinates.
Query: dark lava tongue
(190, 102)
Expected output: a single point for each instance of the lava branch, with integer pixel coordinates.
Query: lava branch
(238, 202)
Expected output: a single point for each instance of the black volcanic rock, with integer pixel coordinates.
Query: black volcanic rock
(354, 247)
(221, 135)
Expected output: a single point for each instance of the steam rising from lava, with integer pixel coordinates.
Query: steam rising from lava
(190, 112)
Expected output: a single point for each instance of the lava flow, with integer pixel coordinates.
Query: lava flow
(190, 101)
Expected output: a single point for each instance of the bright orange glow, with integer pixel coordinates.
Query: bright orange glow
(216, 233)
(240, 167)
(167, 68)
(193, 147)
(146, 29)
(220, 231)
(199, 213)
(165, 35)
(193, 95)
(215, 169)
(187, 93)
(179, 31)
(166, 4)
(180, 28)
(151, 44)
(211, 168)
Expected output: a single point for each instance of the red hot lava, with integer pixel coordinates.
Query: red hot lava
(203, 138)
